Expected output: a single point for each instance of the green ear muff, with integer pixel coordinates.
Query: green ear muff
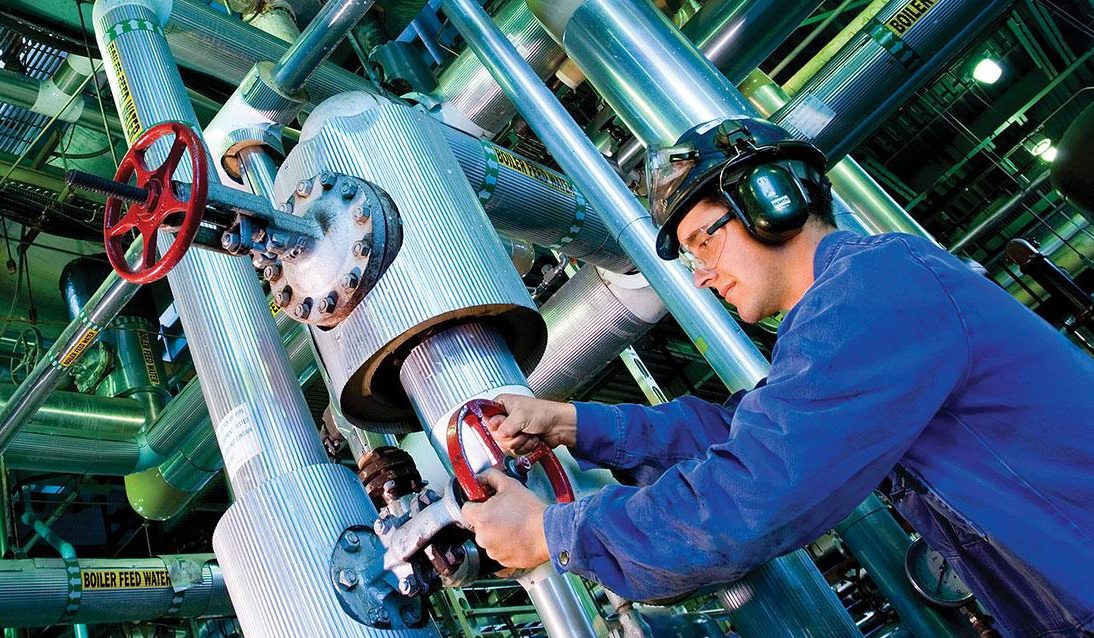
(774, 204)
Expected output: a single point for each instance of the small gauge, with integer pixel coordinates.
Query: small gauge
(933, 576)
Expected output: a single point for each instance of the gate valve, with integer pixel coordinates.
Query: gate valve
(153, 204)
(473, 414)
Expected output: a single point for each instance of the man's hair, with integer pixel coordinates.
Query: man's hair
(820, 199)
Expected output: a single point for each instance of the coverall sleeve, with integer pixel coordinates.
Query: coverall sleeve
(638, 443)
(867, 361)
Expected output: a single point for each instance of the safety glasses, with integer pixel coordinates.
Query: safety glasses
(704, 254)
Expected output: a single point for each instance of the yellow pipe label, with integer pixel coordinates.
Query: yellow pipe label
(557, 182)
(128, 111)
(148, 355)
(124, 578)
(908, 15)
(79, 347)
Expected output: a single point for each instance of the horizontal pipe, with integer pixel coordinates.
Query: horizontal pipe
(41, 592)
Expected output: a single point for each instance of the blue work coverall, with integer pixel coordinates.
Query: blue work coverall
(898, 362)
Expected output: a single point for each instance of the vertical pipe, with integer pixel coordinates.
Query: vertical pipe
(730, 353)
(291, 505)
(879, 544)
(446, 371)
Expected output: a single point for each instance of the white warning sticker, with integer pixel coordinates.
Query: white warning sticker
(237, 438)
(810, 117)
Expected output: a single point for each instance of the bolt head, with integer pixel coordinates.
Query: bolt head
(380, 526)
(360, 249)
(409, 586)
(229, 241)
(350, 281)
(302, 310)
(272, 272)
(328, 304)
(347, 578)
(349, 190)
(327, 179)
(362, 214)
(303, 187)
(283, 297)
(378, 617)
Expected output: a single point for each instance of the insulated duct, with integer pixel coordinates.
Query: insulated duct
(49, 591)
(468, 87)
(894, 54)
(590, 320)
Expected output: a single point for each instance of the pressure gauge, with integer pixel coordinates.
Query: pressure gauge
(933, 576)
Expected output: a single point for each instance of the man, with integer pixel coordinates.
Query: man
(894, 362)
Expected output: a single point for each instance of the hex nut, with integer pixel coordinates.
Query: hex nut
(302, 309)
(283, 297)
(303, 187)
(329, 303)
(229, 242)
(272, 272)
(350, 281)
(347, 578)
(361, 215)
(349, 190)
(327, 179)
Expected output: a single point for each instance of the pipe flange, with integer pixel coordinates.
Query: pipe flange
(365, 590)
(362, 234)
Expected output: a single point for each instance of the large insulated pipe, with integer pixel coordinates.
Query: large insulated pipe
(54, 97)
(275, 542)
(43, 591)
(468, 87)
(879, 544)
(893, 55)
(729, 351)
(590, 320)
(441, 374)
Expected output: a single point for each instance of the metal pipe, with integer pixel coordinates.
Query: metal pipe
(737, 35)
(1005, 209)
(794, 84)
(892, 56)
(317, 42)
(441, 374)
(54, 366)
(291, 505)
(42, 591)
(641, 67)
(879, 544)
(468, 87)
(590, 320)
(730, 353)
(699, 312)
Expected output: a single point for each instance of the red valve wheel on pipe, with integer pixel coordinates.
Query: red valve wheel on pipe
(473, 414)
(161, 209)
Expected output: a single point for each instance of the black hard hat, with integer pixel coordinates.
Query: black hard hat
(716, 155)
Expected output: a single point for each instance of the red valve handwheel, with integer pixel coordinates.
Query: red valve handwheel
(150, 216)
(472, 414)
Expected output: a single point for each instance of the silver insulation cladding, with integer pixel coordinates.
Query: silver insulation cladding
(451, 267)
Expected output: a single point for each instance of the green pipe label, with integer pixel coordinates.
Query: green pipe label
(98, 579)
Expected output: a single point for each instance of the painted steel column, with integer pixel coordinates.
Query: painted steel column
(728, 350)
(879, 544)
(275, 542)
(892, 56)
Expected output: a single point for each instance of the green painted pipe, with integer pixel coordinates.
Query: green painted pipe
(879, 544)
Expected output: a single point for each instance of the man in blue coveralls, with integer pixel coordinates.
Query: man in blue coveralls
(894, 363)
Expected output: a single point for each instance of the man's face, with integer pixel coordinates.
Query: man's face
(740, 269)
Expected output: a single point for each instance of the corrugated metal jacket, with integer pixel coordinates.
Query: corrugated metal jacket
(898, 358)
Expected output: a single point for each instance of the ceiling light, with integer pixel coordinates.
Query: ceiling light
(987, 71)
(1049, 154)
(1036, 144)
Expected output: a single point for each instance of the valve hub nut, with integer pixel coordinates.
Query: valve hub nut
(283, 297)
(329, 303)
(302, 310)
(350, 281)
(272, 272)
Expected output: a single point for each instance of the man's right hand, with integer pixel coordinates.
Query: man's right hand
(529, 419)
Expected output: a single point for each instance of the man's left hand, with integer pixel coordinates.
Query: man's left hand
(509, 525)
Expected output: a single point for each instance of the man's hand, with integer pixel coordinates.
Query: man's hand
(509, 526)
(530, 418)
